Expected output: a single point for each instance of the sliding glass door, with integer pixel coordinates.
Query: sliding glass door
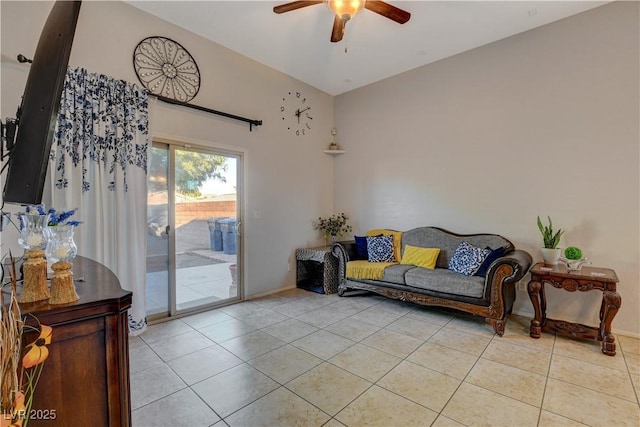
(193, 237)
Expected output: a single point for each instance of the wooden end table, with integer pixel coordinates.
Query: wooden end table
(586, 279)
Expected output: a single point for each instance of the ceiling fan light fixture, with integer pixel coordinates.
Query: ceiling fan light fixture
(345, 9)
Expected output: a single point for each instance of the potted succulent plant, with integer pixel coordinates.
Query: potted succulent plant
(550, 251)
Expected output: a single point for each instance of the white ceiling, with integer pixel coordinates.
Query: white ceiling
(297, 43)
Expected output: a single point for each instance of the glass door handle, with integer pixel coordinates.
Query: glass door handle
(167, 229)
(238, 224)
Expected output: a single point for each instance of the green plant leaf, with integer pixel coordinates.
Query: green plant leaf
(550, 239)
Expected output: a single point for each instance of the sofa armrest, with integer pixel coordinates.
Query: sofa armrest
(519, 260)
(501, 278)
(344, 251)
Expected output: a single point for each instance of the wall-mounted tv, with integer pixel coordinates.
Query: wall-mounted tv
(37, 116)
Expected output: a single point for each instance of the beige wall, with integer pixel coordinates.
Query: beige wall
(542, 123)
(288, 180)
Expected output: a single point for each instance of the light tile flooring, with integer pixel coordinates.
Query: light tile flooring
(303, 359)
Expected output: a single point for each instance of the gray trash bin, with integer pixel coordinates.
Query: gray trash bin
(229, 235)
(215, 233)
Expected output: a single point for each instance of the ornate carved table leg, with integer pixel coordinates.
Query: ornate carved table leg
(611, 302)
(535, 288)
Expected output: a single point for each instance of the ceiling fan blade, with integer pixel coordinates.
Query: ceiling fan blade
(388, 11)
(288, 7)
(338, 29)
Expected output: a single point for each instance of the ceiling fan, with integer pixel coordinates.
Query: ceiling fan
(346, 9)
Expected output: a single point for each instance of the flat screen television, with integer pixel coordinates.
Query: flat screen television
(37, 116)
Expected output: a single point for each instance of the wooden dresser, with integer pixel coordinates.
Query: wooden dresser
(85, 381)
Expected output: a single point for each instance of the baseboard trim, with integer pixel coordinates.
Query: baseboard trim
(266, 294)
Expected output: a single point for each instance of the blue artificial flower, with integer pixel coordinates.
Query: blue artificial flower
(64, 215)
(55, 217)
(38, 208)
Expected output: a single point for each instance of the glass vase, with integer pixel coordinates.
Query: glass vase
(60, 245)
(330, 239)
(33, 238)
(61, 250)
(33, 231)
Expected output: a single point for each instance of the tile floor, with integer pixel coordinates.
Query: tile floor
(302, 359)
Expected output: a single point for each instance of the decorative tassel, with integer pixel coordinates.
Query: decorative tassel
(63, 290)
(35, 277)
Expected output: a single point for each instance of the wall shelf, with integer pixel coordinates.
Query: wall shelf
(334, 152)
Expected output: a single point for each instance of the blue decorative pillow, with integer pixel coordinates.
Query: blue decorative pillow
(494, 255)
(361, 247)
(467, 259)
(380, 248)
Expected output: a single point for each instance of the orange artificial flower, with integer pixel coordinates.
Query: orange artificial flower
(7, 421)
(15, 418)
(18, 402)
(39, 352)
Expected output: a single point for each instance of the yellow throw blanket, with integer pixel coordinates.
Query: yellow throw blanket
(364, 270)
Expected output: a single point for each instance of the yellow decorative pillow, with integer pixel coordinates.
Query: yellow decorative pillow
(420, 257)
(397, 240)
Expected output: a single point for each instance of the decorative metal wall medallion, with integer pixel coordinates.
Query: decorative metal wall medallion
(166, 68)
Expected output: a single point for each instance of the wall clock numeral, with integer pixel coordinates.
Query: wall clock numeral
(294, 111)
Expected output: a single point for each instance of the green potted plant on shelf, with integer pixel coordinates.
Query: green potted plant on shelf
(550, 251)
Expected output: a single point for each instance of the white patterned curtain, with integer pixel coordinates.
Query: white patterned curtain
(98, 164)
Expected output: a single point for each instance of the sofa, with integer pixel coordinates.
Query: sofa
(488, 292)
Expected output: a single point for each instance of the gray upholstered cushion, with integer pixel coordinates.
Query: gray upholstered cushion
(432, 237)
(447, 281)
(395, 273)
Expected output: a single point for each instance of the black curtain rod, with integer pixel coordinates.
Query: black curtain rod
(251, 122)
